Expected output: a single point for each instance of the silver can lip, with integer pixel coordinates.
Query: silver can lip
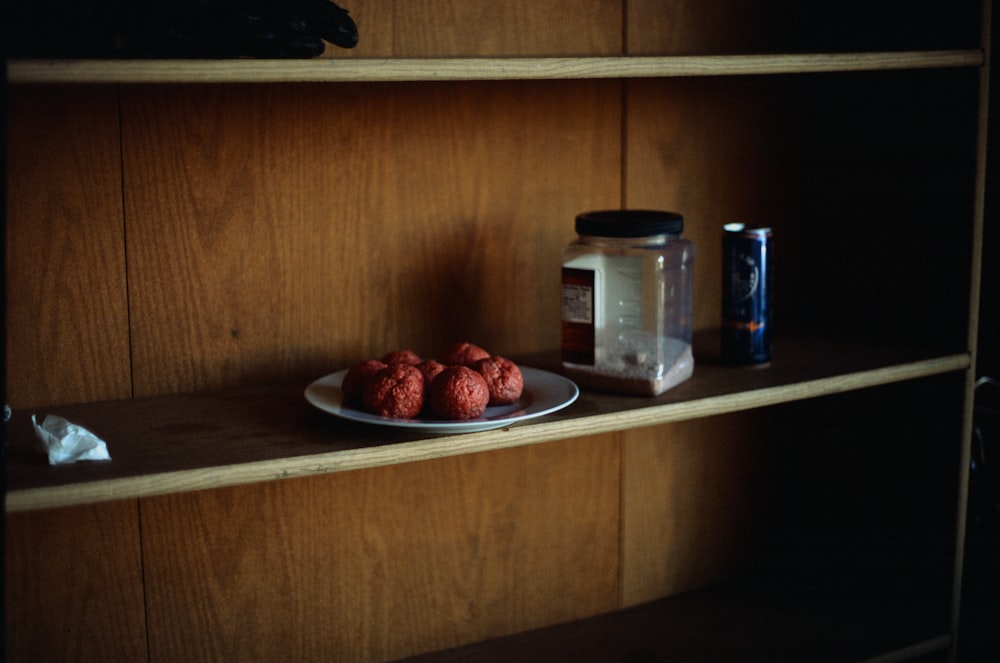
(744, 229)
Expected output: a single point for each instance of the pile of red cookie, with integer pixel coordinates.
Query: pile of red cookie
(459, 386)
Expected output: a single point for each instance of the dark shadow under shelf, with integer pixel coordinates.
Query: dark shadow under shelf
(730, 623)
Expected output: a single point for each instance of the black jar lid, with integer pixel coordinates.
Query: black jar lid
(629, 223)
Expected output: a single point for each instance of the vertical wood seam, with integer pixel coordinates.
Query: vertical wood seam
(142, 580)
(620, 443)
(124, 230)
(131, 364)
(623, 109)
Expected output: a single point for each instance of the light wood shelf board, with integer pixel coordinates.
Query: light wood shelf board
(194, 442)
(452, 69)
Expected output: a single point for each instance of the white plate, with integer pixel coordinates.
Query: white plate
(543, 394)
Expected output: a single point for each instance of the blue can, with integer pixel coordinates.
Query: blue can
(747, 280)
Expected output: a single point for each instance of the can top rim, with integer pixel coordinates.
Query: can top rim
(744, 229)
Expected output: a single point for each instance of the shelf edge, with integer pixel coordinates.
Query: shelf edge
(441, 447)
(330, 70)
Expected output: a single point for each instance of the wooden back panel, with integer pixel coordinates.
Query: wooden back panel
(289, 231)
(74, 585)
(67, 307)
(379, 564)
(167, 239)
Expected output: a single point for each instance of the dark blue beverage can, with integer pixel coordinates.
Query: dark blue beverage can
(747, 280)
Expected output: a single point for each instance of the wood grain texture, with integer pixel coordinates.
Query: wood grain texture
(473, 69)
(687, 27)
(74, 585)
(379, 564)
(458, 28)
(689, 504)
(186, 442)
(689, 152)
(283, 231)
(67, 314)
(290, 231)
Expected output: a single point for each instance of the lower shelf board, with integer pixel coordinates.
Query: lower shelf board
(185, 442)
(729, 625)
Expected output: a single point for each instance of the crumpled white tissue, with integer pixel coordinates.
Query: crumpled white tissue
(67, 442)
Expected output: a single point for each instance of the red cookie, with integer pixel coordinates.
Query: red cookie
(464, 354)
(401, 357)
(353, 383)
(503, 377)
(430, 368)
(458, 392)
(395, 391)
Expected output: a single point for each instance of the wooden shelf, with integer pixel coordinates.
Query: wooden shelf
(813, 509)
(331, 70)
(198, 441)
(730, 623)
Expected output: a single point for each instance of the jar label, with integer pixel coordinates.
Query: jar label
(578, 315)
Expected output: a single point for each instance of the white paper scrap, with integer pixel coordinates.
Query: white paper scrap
(67, 442)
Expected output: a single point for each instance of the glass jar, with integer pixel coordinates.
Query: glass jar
(627, 302)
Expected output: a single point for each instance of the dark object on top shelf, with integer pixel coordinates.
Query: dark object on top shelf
(188, 29)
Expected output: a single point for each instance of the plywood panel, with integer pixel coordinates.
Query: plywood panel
(67, 314)
(691, 496)
(74, 585)
(709, 152)
(702, 27)
(466, 28)
(280, 231)
(378, 564)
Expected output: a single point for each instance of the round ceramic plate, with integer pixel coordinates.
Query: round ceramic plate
(543, 394)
